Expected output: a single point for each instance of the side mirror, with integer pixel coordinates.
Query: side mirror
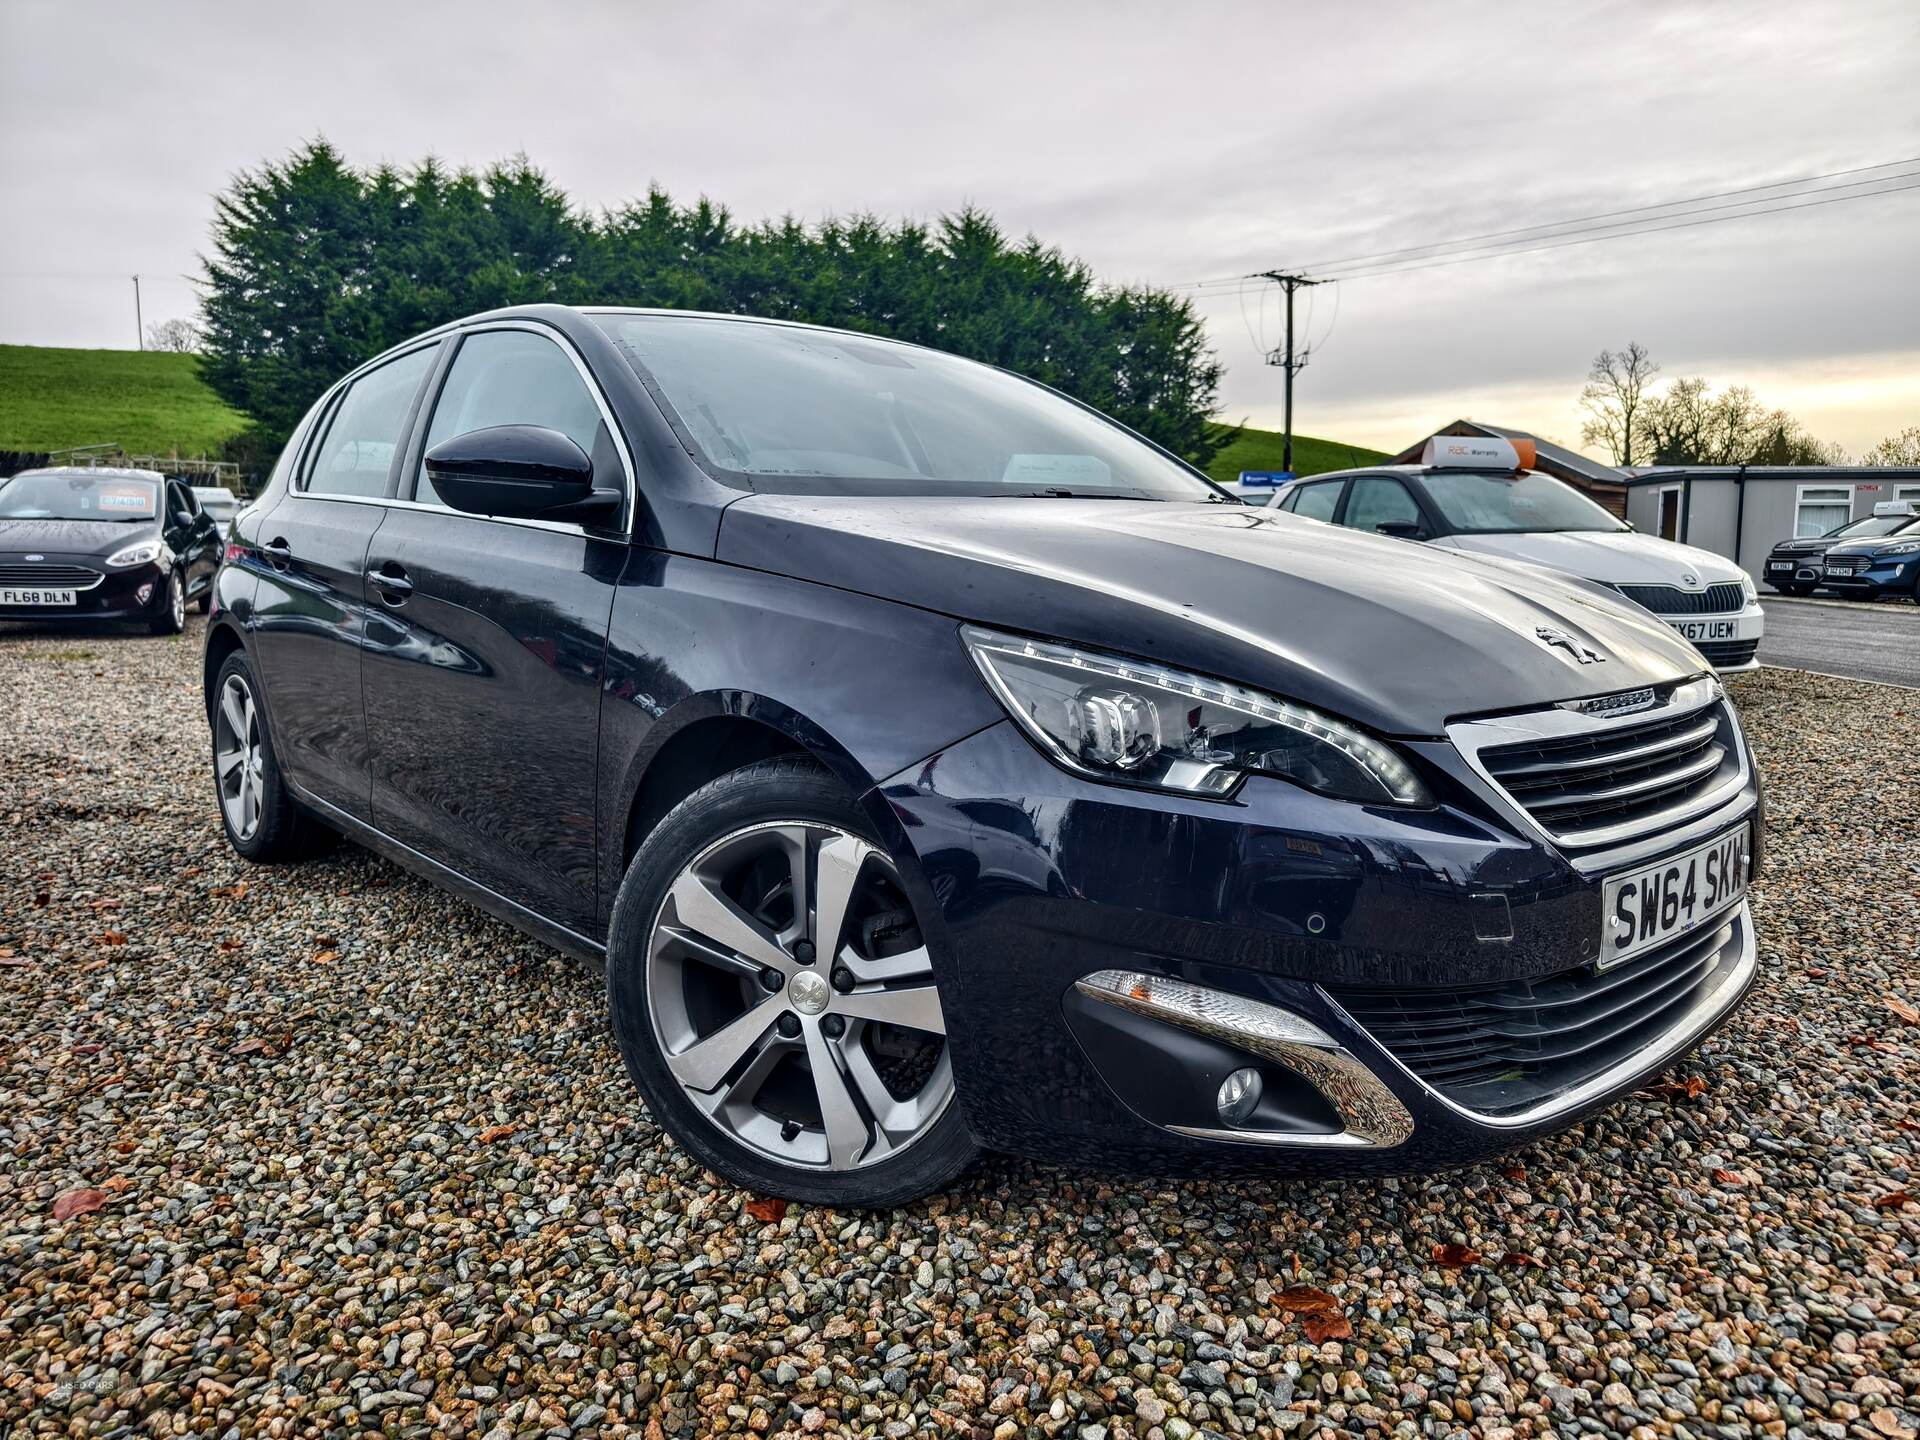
(523, 472)
(1402, 529)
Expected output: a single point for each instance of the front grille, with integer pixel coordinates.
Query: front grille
(64, 577)
(1727, 653)
(1610, 780)
(1669, 600)
(1501, 1048)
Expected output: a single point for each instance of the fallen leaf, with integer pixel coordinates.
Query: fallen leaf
(125, 1147)
(41, 898)
(229, 944)
(1514, 1257)
(1305, 1300)
(1691, 1088)
(496, 1132)
(88, 1047)
(1322, 1328)
(78, 1202)
(1907, 1125)
(229, 892)
(1889, 1423)
(767, 1209)
(1728, 1177)
(1814, 972)
(1908, 1015)
(105, 904)
(1894, 1200)
(326, 957)
(118, 1185)
(1456, 1257)
(252, 1045)
(325, 942)
(112, 937)
(1516, 1173)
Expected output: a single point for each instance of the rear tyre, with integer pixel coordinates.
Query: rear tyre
(773, 996)
(205, 602)
(262, 821)
(169, 613)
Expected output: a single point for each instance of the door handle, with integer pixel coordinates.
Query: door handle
(393, 585)
(279, 554)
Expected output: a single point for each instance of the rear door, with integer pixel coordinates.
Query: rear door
(486, 647)
(310, 604)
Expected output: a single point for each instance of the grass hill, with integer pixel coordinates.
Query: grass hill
(145, 402)
(1261, 450)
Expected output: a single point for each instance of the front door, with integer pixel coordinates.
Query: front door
(310, 606)
(1670, 514)
(485, 648)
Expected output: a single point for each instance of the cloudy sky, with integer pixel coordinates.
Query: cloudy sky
(1167, 144)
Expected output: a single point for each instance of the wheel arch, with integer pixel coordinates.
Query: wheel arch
(222, 641)
(707, 736)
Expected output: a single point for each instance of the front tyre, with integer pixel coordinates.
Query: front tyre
(169, 614)
(774, 1000)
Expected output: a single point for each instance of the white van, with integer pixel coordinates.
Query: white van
(1481, 495)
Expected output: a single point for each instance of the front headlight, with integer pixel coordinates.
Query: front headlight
(1143, 724)
(1904, 547)
(1749, 589)
(142, 553)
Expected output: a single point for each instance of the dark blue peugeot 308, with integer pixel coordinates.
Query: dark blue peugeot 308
(934, 764)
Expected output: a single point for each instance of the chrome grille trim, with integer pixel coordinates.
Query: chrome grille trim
(1563, 772)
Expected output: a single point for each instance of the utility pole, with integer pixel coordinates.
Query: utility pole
(1287, 359)
(139, 329)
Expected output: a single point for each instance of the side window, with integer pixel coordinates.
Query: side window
(515, 377)
(357, 451)
(178, 501)
(1378, 501)
(1318, 502)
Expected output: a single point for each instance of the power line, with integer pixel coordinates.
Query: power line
(1626, 227)
(1612, 214)
(1587, 220)
(1563, 244)
(1641, 228)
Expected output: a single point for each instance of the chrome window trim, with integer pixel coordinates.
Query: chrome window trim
(329, 408)
(1698, 1018)
(1470, 737)
(630, 483)
(297, 483)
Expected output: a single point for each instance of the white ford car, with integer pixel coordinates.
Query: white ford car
(1478, 495)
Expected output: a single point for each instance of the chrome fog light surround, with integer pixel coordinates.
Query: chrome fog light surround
(1373, 1117)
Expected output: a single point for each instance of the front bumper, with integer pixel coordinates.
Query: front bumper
(1033, 880)
(99, 593)
(1797, 569)
(1891, 575)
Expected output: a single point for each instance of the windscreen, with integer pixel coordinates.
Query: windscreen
(777, 407)
(1872, 527)
(78, 497)
(1527, 501)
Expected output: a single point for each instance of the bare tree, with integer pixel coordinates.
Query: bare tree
(175, 337)
(1688, 424)
(1901, 449)
(1615, 400)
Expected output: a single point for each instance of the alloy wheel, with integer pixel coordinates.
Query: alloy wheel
(793, 1000)
(238, 758)
(177, 600)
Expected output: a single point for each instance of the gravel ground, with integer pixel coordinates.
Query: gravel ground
(366, 1163)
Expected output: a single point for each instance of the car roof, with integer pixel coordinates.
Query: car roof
(109, 472)
(1420, 471)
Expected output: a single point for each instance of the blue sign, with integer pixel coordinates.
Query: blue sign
(1265, 477)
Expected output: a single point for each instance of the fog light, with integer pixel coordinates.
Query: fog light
(144, 593)
(1239, 1096)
